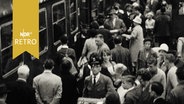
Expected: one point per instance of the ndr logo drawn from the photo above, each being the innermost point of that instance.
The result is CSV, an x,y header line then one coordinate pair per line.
x,y
25,34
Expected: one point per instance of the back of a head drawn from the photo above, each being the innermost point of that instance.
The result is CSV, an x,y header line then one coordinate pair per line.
x,y
145,74
170,57
180,73
65,66
49,64
157,87
112,98
23,70
152,60
92,32
117,40
64,39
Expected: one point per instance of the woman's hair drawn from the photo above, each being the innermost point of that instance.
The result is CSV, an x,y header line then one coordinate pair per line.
x,y
107,51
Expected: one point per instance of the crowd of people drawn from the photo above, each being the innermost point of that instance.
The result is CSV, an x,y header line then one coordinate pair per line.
x,y
114,60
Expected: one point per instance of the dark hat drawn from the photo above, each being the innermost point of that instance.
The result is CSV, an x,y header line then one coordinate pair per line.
x,y
94,59
147,39
113,11
3,89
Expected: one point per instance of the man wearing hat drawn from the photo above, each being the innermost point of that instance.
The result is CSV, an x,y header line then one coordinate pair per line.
x,y
19,91
97,85
136,39
115,23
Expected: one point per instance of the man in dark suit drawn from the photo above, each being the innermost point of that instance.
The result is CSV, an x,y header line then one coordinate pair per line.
x,y
19,91
156,91
121,54
97,85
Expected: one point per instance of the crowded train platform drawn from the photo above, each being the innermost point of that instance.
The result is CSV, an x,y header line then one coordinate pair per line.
x,y
128,53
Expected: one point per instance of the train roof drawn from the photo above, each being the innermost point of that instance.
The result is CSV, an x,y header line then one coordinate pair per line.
x,y
5,7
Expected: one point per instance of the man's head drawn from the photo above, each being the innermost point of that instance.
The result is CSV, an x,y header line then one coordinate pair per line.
x,y
156,89
128,81
95,62
163,49
99,40
48,64
143,75
147,43
169,58
64,39
117,40
180,73
152,65
112,14
23,71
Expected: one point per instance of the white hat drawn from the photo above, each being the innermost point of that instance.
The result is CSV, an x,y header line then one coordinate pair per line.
x,y
164,47
137,20
24,69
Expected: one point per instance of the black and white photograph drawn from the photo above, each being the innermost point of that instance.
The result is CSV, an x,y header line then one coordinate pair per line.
x,y
91,52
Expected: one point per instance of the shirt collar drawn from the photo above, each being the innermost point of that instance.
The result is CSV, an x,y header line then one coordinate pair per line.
x,y
97,76
62,46
22,79
47,71
101,27
157,98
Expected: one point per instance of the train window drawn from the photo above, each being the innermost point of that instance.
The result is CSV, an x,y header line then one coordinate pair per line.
x,y
43,31
6,36
73,16
59,20
94,4
94,8
7,64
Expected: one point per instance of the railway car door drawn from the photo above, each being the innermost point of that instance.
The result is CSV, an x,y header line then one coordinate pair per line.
x,y
8,66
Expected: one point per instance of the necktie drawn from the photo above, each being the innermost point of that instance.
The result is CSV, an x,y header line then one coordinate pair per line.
x,y
94,80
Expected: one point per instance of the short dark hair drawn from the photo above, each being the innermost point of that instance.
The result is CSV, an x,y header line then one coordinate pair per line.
x,y
48,64
170,57
152,60
64,39
65,66
145,74
112,98
157,87
92,32
117,40
180,73
147,39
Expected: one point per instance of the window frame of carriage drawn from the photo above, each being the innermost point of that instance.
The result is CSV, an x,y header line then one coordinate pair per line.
x,y
76,14
59,20
47,42
5,75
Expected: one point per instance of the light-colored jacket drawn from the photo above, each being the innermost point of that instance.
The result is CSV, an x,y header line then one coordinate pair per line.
x,y
48,87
